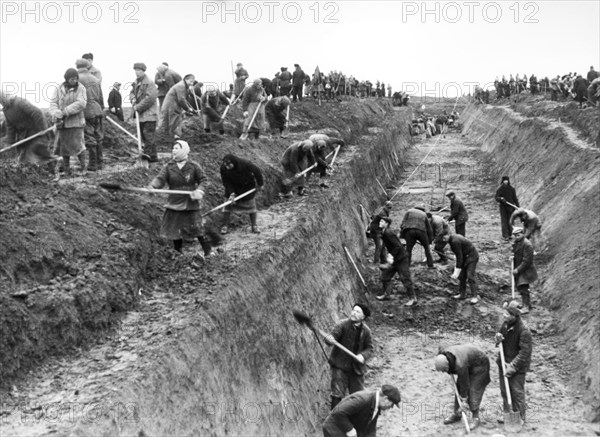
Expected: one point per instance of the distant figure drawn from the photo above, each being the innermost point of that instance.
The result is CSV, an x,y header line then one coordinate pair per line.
x,y
213,101
298,77
506,194
115,101
67,105
165,79
175,105
143,98
285,82
253,97
241,74
94,116
592,74
458,213
275,111
524,270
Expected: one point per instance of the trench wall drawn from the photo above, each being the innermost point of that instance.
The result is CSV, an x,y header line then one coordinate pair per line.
x,y
559,180
245,366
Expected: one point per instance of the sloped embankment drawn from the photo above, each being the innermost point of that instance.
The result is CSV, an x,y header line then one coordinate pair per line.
x,y
557,178
244,351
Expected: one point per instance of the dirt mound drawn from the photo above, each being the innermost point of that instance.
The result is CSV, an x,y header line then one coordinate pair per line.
x,y
76,257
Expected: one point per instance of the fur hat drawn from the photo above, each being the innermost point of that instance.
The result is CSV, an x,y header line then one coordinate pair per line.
x,y
139,66
505,178
365,309
82,63
71,72
88,56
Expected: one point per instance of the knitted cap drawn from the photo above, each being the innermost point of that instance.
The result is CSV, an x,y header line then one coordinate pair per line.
x,y
139,66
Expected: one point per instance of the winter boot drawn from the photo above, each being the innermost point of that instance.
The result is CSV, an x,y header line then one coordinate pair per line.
x,y
387,286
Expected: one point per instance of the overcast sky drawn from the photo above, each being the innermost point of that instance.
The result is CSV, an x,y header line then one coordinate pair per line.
x,y
421,47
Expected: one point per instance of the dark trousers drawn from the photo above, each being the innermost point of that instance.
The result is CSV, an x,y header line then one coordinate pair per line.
x,y
516,384
94,136
505,213
412,236
297,92
467,274
342,380
439,245
479,378
148,129
380,254
400,267
460,229
523,289
284,90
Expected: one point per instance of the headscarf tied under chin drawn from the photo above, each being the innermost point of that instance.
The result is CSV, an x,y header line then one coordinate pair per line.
x,y
231,158
182,154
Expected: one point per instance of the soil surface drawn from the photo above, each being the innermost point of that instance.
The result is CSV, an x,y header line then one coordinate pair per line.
x,y
408,339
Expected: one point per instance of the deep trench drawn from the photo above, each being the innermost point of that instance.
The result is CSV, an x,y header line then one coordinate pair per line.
x,y
246,367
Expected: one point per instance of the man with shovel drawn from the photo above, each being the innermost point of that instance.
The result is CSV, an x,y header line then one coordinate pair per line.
x,y
276,111
357,414
296,158
143,98
517,345
346,372
523,268
472,369
467,258
400,265
213,101
531,224
24,120
252,101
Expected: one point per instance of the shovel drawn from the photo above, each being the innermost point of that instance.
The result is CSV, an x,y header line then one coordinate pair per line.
x,y
512,276
141,162
18,143
304,319
286,131
244,136
119,187
223,205
462,413
289,181
512,419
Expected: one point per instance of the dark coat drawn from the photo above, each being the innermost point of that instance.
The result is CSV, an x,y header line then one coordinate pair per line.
x,y
115,100
458,211
509,194
416,219
580,85
374,225
345,333
439,226
143,96
517,344
188,178
463,249
354,411
393,245
523,252
592,74
165,81
23,119
298,77
471,365
296,154
241,178
94,105
252,95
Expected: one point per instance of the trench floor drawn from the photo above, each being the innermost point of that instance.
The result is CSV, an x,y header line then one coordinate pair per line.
x,y
408,339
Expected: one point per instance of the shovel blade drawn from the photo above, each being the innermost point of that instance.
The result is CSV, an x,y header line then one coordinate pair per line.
x,y
244,136
512,422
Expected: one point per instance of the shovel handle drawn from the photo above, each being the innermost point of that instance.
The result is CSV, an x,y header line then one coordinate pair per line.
x,y
507,387
512,277
462,413
24,140
340,346
224,204
122,128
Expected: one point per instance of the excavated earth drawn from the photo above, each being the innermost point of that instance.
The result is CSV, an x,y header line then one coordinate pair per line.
x,y
105,331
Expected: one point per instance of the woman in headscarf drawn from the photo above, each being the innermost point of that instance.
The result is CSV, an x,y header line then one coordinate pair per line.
x,y
240,176
182,220
66,109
